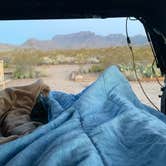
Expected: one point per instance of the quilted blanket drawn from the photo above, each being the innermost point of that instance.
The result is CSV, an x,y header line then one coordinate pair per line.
x,y
105,124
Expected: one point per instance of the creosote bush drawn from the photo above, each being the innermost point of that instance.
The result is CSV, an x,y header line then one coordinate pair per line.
x,y
24,64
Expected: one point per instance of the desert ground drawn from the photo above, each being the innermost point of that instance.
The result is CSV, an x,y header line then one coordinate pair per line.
x,y
57,77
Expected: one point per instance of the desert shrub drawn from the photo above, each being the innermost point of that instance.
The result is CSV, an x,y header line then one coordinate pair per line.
x,y
96,68
22,72
26,57
148,72
25,62
107,56
47,61
143,71
62,59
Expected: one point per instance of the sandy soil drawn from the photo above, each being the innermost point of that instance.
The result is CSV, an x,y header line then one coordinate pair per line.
x,y
58,79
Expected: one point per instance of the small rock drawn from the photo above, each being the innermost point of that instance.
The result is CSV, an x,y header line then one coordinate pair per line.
x,y
76,76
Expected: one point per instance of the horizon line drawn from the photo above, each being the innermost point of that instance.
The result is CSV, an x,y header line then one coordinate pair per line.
x,y
63,34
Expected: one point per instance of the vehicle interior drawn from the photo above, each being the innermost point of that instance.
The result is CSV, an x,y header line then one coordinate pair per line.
x,y
151,15
93,131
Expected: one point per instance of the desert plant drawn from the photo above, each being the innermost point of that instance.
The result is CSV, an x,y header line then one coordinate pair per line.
x,y
22,72
96,68
25,63
143,70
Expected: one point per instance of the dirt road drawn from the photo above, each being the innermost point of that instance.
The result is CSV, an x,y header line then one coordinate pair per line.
x,y
58,79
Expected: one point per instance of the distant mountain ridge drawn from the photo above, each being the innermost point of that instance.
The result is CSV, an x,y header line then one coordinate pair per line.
x,y
4,46
83,39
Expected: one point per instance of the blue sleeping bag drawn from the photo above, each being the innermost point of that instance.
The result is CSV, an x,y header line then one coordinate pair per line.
x,y
105,124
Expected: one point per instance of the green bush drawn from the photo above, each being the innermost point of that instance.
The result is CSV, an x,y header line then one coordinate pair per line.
x,y
25,62
107,56
143,70
22,72
96,68
26,57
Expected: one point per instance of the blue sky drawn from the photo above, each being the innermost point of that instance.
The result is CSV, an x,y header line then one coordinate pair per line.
x,y
17,32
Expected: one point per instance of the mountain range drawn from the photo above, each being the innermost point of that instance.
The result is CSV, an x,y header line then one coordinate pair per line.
x,y
83,39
